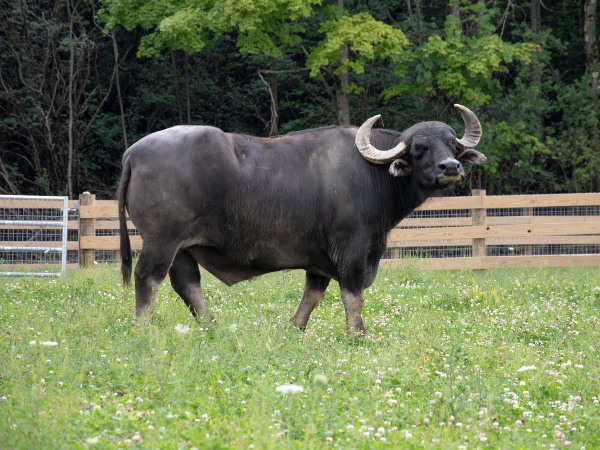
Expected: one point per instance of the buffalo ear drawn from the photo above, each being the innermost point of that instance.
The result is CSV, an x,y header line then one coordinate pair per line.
x,y
471,157
400,168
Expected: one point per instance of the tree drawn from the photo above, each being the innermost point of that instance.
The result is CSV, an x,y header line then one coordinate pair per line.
x,y
72,98
51,70
461,68
261,26
350,42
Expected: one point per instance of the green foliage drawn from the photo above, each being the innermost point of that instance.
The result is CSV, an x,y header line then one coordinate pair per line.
x,y
257,21
461,67
190,26
366,37
514,158
537,134
573,143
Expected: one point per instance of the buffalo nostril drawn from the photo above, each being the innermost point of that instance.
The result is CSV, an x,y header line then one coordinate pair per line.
x,y
449,167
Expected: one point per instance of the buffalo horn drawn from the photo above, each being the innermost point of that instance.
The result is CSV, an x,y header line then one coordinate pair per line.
x,y
369,152
472,127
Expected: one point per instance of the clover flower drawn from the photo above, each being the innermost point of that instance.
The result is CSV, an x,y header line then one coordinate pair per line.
x,y
182,329
320,379
289,389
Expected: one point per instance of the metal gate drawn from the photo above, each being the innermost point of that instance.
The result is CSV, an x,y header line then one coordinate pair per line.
x,y
33,235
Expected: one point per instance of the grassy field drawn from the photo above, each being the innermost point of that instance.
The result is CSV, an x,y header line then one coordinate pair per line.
x,y
503,358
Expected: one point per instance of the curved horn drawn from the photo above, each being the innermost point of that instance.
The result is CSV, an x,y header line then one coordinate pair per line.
x,y
369,152
472,127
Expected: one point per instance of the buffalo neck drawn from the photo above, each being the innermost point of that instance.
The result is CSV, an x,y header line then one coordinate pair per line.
x,y
395,197
399,197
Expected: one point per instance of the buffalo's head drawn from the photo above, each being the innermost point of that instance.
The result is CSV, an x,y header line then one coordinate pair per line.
x,y
431,151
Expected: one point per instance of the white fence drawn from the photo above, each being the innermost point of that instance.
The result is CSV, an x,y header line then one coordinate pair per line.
x,y
33,235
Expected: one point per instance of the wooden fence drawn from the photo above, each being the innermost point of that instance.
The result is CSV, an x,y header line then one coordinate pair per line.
x,y
501,231
477,232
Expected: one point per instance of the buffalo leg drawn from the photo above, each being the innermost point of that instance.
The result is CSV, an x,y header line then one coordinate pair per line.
x,y
353,303
150,271
185,279
314,291
352,282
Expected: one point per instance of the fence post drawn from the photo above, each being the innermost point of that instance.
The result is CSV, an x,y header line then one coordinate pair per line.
x,y
87,227
478,219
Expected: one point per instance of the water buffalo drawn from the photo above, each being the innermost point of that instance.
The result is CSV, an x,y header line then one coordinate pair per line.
x,y
322,200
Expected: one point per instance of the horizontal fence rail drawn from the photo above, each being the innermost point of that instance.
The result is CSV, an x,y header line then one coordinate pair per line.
x,y
477,232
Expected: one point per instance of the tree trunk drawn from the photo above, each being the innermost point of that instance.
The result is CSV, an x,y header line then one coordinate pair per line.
x,y
480,16
590,45
176,84
535,23
187,91
454,10
70,93
119,97
341,102
535,17
10,188
341,86
274,100
341,94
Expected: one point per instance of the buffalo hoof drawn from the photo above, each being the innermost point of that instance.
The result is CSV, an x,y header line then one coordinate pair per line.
x,y
357,333
144,321
207,321
293,323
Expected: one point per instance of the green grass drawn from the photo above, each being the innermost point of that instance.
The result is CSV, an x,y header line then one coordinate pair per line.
x,y
499,358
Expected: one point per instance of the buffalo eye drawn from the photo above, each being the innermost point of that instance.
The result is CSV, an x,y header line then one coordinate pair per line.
x,y
418,150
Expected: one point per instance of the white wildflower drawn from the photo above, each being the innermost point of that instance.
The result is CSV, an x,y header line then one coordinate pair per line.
x,y
320,379
182,329
289,389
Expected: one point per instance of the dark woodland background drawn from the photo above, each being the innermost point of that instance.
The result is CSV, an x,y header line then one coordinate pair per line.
x,y
80,81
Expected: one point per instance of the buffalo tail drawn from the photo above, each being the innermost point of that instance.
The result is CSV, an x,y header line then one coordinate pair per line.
x,y
125,244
